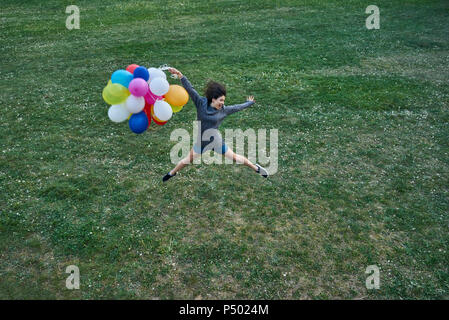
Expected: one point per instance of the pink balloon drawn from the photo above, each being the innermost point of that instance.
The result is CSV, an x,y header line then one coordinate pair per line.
x,y
151,98
138,87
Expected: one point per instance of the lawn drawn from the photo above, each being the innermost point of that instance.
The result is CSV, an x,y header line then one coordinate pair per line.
x,y
363,166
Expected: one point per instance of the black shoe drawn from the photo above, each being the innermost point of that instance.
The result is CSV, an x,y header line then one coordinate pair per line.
x,y
168,176
262,171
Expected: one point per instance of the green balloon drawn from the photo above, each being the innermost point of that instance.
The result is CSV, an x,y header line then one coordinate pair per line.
x,y
115,93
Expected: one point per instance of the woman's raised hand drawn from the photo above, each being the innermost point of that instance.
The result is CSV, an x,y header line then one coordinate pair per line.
x,y
176,72
251,98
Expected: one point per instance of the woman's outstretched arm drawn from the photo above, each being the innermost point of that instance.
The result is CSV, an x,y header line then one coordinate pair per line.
x,y
237,107
196,98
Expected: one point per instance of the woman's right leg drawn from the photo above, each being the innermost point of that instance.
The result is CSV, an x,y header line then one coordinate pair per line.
x,y
187,160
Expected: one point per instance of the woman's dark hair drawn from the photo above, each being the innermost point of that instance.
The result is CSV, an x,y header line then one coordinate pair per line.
x,y
214,90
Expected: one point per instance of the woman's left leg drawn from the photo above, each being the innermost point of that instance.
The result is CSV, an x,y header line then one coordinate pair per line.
x,y
239,158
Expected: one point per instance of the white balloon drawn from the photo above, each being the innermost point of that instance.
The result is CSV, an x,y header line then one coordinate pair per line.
x,y
135,104
162,110
159,86
156,73
118,113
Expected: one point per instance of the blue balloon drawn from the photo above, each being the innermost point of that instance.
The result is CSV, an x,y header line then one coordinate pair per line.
x,y
123,77
142,72
138,122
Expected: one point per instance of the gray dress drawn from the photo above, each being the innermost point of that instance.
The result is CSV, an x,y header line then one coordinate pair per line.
x,y
210,118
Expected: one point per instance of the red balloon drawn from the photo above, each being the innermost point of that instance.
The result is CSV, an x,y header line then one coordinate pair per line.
x,y
147,110
131,68
148,116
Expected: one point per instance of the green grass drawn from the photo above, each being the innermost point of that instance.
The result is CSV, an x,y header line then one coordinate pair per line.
x,y
363,152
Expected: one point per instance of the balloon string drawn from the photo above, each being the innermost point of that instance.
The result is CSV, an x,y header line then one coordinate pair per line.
x,y
166,67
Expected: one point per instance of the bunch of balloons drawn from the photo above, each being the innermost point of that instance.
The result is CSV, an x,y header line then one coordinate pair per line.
x,y
139,94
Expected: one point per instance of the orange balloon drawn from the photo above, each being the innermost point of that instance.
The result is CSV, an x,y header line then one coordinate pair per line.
x,y
176,96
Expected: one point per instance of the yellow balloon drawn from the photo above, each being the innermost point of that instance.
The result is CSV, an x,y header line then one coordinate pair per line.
x,y
115,93
104,94
176,96
176,109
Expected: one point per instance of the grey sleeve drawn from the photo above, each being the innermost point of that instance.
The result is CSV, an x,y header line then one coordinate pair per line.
x,y
196,98
237,107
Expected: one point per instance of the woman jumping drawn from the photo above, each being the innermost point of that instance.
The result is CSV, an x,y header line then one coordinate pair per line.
x,y
210,112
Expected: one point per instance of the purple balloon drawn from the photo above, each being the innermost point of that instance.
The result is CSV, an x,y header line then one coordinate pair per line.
x,y
138,87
